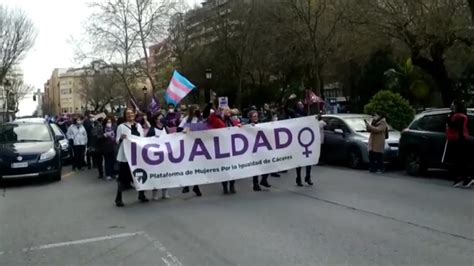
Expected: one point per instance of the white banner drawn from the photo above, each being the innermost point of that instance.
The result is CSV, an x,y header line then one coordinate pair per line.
x,y
218,155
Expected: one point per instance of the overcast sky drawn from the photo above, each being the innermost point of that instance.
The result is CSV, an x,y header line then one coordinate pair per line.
x,y
57,21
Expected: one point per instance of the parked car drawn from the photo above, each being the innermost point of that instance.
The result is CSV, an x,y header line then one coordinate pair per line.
x,y
422,143
29,150
66,149
346,139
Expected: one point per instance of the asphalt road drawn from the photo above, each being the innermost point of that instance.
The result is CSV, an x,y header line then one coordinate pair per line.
x,y
349,218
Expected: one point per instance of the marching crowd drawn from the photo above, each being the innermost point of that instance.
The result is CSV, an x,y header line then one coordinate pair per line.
x,y
96,142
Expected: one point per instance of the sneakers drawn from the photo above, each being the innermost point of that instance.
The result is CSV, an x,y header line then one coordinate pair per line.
x,y
197,191
458,183
298,182
469,184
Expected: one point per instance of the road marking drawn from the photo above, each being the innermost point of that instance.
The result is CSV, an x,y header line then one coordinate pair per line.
x,y
66,175
169,259
80,242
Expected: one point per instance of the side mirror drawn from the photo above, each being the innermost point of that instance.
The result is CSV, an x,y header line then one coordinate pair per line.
x,y
59,137
339,131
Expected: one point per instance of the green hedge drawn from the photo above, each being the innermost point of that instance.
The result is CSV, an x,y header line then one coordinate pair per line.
x,y
398,110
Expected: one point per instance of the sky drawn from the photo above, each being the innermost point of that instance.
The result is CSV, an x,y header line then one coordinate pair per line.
x,y
57,22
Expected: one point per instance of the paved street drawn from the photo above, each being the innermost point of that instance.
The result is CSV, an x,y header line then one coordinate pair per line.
x,y
349,218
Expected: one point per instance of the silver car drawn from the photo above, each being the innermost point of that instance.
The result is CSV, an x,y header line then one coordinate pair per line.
x,y
346,139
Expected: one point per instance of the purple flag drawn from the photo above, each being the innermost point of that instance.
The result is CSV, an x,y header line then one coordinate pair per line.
x,y
154,105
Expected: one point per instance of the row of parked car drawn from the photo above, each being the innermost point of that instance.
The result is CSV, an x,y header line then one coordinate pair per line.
x,y
418,148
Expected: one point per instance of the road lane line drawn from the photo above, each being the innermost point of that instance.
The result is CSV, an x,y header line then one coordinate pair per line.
x,y
66,175
169,259
81,241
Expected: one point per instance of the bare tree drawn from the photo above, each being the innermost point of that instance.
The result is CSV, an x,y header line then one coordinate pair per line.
x,y
151,20
428,28
114,40
17,92
471,8
101,87
17,36
318,23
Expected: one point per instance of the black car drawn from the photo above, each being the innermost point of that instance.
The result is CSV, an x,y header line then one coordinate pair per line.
x,y
66,149
422,144
29,150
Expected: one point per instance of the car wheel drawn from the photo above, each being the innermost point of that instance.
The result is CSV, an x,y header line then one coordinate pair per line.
x,y
414,164
355,158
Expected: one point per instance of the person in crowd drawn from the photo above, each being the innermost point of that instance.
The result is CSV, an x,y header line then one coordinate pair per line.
x,y
322,125
300,111
96,146
254,119
222,119
63,124
458,148
125,130
236,118
378,130
156,130
77,135
109,149
88,122
185,126
172,119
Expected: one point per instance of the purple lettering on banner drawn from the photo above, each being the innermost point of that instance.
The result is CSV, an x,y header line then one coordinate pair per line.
x,y
244,140
261,141
134,153
199,149
278,144
217,148
159,154
170,152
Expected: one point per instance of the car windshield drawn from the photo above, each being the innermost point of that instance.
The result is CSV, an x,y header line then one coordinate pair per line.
x,y
358,125
10,133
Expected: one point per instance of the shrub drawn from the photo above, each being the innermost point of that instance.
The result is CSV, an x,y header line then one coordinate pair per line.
x,y
398,110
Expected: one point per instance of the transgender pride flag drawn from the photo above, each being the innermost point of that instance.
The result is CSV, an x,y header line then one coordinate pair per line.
x,y
178,89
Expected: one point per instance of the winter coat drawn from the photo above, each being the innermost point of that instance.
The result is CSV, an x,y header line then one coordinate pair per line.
x,y
378,133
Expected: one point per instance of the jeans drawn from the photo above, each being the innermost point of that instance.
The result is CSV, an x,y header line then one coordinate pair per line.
x,y
376,162
78,160
109,164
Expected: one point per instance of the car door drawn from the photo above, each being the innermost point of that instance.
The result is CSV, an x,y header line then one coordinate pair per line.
x,y
335,142
60,141
432,138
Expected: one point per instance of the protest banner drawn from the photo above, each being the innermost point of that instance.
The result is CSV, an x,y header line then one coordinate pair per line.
x,y
223,102
218,155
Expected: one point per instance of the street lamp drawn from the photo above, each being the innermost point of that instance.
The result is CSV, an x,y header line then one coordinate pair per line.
x,y
145,92
207,91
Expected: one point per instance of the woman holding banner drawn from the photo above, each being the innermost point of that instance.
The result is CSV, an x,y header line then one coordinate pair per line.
x,y
156,130
125,130
301,112
253,115
186,125
222,119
